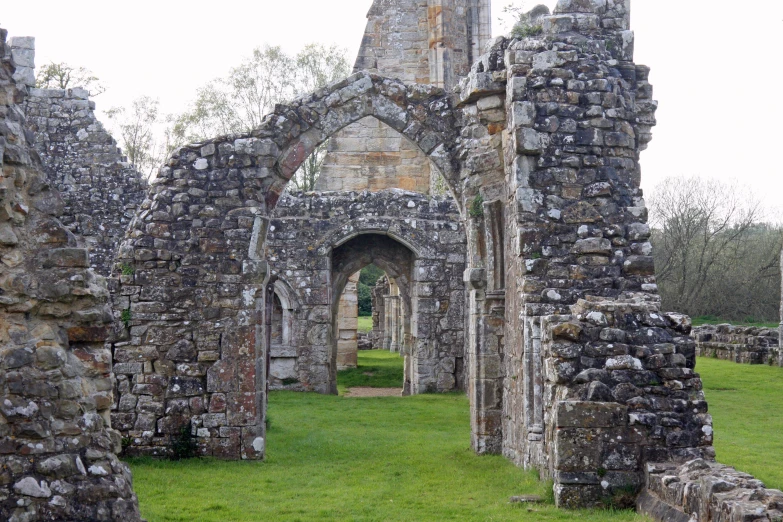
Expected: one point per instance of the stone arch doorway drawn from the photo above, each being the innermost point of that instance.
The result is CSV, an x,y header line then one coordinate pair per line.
x,y
197,248
398,262
307,229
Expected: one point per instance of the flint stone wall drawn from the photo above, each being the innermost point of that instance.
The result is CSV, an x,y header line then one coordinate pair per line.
x,y
578,113
740,344
192,347
57,448
618,390
540,146
100,189
700,491
305,231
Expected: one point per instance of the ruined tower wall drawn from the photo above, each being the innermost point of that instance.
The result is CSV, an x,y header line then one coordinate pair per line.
x,y
101,191
421,41
57,449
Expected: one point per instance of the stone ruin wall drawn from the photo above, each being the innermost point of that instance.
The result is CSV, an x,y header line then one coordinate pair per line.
x,y
424,42
597,360
417,42
100,190
566,342
589,355
703,490
740,344
307,230
56,446
193,349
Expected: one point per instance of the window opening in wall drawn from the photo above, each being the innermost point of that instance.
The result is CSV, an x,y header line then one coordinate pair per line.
x,y
283,369
368,155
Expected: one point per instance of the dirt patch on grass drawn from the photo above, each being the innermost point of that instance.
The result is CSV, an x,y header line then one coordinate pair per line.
x,y
373,392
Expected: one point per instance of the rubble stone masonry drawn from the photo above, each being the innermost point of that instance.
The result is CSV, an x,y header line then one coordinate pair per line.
x,y
57,449
100,190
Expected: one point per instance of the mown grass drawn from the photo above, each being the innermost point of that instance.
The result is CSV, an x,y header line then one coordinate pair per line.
x,y
362,459
335,458
745,403
749,321
375,369
365,324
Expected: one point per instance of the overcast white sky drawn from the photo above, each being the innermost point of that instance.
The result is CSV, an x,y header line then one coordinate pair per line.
x,y
716,66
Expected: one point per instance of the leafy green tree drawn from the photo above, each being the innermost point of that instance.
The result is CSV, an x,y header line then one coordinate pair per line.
x,y
63,76
368,277
239,102
714,255
365,300
136,129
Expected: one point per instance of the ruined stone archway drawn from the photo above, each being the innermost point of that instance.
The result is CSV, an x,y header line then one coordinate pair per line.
x,y
421,113
197,252
398,262
306,228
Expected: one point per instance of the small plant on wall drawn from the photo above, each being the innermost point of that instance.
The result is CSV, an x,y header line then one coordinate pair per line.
x,y
477,207
183,443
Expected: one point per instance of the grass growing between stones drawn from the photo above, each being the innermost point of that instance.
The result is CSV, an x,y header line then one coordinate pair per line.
x,y
745,403
375,369
362,459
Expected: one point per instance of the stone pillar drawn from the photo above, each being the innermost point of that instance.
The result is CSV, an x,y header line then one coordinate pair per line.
x,y
347,325
393,310
485,334
23,54
379,313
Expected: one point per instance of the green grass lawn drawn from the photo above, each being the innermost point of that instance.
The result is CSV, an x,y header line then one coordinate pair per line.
x,y
746,403
365,324
376,369
362,459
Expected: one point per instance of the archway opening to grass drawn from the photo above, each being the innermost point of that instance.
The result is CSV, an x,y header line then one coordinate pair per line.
x,y
370,335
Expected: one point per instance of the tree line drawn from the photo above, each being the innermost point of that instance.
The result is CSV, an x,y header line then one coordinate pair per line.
x,y
716,256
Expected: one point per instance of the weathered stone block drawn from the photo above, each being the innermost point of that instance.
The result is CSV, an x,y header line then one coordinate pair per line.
x,y
590,415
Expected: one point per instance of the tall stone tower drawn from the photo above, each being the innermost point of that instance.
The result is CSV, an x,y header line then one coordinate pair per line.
x,y
418,41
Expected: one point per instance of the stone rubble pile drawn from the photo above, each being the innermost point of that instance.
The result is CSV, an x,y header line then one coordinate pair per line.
x,y
705,491
741,344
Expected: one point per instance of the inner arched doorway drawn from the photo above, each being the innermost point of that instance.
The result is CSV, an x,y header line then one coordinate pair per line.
x,y
398,262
